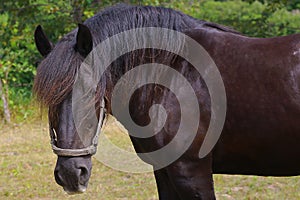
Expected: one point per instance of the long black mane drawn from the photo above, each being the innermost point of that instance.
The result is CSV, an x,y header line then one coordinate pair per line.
x,y
57,72
122,17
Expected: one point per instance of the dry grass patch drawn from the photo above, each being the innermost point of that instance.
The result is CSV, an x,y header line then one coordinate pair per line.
x,y
27,163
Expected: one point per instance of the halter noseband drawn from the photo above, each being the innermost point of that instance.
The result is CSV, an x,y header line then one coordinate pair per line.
x,y
90,150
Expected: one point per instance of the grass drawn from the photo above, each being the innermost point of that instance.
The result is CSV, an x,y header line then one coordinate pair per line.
x,y
27,163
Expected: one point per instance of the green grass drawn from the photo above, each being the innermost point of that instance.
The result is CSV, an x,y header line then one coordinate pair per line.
x,y
27,163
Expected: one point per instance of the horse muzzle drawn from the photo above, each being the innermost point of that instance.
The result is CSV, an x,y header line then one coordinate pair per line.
x,y
73,173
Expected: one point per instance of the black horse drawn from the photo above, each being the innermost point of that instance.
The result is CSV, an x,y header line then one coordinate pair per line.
x,y
261,133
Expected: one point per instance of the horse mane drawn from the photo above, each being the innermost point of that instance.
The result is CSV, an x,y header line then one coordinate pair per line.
x,y
57,72
122,17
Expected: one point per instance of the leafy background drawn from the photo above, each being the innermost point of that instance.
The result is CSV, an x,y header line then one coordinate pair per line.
x,y
18,19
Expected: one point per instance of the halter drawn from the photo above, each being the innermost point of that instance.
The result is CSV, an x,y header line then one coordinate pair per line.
x,y
90,150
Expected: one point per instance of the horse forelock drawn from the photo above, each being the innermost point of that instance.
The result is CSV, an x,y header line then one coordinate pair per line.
x,y
56,73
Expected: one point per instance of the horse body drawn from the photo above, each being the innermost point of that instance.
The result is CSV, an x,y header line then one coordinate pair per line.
x,y
262,83
261,131
262,79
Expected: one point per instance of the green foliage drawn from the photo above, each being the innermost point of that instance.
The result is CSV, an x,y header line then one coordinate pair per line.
x,y
18,19
18,54
293,5
250,17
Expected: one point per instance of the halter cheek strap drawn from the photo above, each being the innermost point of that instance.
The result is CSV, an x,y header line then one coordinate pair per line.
x,y
90,150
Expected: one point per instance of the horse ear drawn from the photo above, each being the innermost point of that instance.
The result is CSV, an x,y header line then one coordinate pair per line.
x,y
84,40
41,41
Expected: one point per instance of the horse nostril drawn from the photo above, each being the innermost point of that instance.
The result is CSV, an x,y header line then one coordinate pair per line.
x,y
84,174
58,177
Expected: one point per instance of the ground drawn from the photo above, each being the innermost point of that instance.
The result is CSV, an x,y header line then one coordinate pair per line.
x,y
27,163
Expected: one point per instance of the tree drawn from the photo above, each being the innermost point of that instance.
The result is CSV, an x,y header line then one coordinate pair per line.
x,y
4,95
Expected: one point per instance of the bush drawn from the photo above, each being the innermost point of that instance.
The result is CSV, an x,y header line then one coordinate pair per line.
x,y
253,18
18,19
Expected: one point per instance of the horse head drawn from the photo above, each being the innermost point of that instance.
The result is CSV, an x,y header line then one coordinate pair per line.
x,y
73,166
